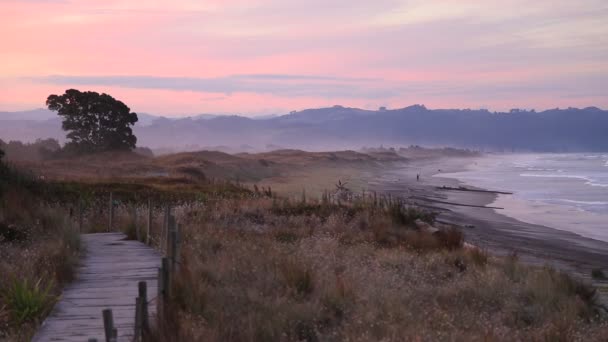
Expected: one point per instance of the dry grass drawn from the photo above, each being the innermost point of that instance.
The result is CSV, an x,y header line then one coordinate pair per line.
x,y
38,253
262,270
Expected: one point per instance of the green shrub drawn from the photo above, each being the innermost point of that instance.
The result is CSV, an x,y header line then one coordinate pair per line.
x,y
27,301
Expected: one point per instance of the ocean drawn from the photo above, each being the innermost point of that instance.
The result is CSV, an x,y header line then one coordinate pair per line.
x,y
562,191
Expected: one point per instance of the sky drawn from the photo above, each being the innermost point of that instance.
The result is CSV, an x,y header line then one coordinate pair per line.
x,y
252,58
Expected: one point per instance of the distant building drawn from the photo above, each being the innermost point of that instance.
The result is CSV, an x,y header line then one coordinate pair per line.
x,y
382,109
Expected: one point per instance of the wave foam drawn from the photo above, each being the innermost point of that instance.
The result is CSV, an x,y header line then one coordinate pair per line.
x,y
583,202
588,181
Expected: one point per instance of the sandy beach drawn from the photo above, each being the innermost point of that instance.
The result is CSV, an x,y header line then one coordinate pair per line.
x,y
488,228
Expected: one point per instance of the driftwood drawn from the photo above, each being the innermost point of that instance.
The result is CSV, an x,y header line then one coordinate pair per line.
x,y
461,188
453,203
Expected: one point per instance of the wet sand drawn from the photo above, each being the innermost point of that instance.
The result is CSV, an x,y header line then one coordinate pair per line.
x,y
487,228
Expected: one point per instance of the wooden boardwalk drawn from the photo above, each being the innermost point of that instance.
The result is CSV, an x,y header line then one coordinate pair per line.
x,y
107,278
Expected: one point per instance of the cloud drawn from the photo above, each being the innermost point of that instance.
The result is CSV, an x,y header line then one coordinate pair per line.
x,y
275,84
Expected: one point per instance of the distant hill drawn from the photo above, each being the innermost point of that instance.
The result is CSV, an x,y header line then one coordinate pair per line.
x,y
556,130
39,114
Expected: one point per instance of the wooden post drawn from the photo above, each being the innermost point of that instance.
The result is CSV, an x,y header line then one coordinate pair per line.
x,y
176,247
170,229
138,319
173,250
80,215
165,231
149,221
166,278
134,214
111,213
159,295
108,324
142,287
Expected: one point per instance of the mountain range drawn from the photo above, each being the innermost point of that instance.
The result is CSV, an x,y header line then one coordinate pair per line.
x,y
337,127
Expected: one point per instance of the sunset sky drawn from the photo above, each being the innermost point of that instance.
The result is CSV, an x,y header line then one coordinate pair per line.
x,y
184,57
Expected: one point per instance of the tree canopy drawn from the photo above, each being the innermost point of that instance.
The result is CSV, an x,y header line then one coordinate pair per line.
x,y
95,122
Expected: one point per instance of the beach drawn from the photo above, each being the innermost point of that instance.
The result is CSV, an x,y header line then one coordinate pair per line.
x,y
488,228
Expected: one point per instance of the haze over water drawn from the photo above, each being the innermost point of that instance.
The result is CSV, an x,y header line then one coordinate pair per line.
x,y
562,191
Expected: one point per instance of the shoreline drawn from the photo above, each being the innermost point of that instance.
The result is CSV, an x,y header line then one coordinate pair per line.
x,y
488,228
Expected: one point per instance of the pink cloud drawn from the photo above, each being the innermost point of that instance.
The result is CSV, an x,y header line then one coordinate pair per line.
x,y
442,60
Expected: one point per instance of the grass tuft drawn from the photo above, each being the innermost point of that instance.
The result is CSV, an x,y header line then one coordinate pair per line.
x,y
27,301
298,277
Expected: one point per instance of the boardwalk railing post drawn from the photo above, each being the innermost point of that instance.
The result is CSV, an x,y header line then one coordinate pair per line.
x,y
175,249
137,232
138,319
149,221
165,231
111,214
166,278
142,287
80,215
170,230
164,287
159,295
108,325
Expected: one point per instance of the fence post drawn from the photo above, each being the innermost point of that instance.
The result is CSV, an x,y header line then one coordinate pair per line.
x,y
138,319
134,213
142,287
170,229
166,278
175,249
108,325
149,221
80,215
164,234
159,295
111,212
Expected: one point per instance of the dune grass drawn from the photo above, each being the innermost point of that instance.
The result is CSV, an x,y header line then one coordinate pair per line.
x,y
268,270
38,253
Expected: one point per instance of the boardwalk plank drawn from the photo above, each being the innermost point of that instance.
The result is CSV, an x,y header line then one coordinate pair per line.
x,y
107,278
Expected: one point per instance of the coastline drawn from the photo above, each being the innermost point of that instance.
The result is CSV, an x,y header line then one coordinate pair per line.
x,y
488,228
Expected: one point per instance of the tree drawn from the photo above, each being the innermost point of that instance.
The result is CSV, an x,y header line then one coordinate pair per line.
x,y
95,122
2,143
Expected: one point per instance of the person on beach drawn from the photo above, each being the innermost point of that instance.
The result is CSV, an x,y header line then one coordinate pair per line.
x,y
417,177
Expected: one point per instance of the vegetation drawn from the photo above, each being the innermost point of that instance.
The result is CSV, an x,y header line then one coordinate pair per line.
x,y
597,273
27,301
41,149
95,122
258,267
263,269
38,252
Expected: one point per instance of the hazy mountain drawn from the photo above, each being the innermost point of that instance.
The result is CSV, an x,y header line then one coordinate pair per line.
x,y
569,129
39,114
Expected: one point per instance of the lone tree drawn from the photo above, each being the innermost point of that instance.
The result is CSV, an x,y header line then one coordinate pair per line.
x,y
95,122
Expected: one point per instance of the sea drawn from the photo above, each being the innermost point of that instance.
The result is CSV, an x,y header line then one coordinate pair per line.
x,y
561,191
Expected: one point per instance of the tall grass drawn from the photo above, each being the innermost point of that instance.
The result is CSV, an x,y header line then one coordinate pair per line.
x,y
265,270
38,252
28,300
